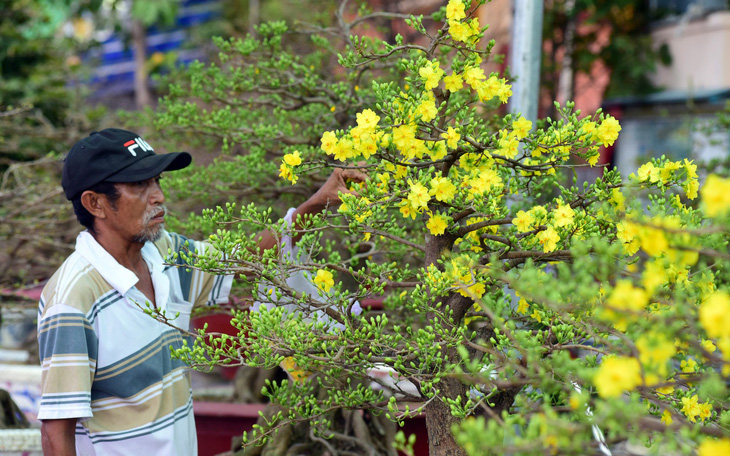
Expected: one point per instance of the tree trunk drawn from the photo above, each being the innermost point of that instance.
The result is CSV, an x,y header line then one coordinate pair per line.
x,y
439,421
142,94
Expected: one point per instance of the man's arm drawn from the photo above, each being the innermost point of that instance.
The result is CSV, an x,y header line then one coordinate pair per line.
x,y
58,437
326,196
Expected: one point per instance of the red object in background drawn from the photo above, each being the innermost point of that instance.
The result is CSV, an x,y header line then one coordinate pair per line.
x,y
218,423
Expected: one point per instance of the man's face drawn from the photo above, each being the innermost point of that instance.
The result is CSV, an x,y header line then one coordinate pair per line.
x,y
140,210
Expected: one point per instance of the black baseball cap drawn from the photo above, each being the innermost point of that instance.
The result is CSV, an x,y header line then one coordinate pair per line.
x,y
114,155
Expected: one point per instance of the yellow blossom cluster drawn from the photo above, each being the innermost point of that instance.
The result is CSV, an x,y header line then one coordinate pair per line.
x,y
288,164
693,409
670,171
364,140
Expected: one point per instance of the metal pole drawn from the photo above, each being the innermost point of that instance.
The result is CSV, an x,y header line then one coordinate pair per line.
x,y
525,57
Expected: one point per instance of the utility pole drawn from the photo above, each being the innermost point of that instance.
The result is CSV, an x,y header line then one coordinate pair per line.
x,y
525,57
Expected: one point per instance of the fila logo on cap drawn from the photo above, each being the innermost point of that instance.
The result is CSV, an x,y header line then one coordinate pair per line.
x,y
135,143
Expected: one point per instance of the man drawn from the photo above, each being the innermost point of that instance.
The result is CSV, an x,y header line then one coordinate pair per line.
x,y
109,385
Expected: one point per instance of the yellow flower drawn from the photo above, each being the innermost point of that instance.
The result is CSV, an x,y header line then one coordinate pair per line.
x,y
536,316
442,189
627,233
564,215
427,109
407,210
287,173
667,417
688,365
649,173
665,389
418,195
324,280
691,407
344,149
452,137
716,195
453,82
627,297
608,131
548,238
709,346
705,411
508,146
653,241
293,159
655,350
711,447
473,75
329,142
431,73
455,10
505,91
437,224
618,200
715,315
521,127
523,221
654,276
368,119
616,375
459,31
523,306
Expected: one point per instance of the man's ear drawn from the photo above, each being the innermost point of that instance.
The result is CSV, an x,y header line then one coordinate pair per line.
x,y
97,204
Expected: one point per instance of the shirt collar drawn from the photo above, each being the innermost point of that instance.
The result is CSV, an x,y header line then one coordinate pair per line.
x,y
119,277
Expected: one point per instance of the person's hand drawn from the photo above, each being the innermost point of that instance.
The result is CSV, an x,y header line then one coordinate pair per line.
x,y
328,194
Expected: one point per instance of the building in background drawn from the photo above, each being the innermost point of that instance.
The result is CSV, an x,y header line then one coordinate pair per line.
x,y
680,121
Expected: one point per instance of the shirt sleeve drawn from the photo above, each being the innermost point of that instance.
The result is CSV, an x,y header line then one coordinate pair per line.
x,y
68,348
199,287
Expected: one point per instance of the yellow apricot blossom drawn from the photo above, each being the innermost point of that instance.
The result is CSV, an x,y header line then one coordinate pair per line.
x,y
329,141
564,215
473,75
549,239
523,221
521,127
442,189
715,315
607,131
324,280
455,10
452,137
431,73
453,82
716,196
616,375
459,31
437,224
649,173
293,159
418,195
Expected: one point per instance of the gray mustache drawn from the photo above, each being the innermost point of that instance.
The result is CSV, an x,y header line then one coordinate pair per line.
x,y
162,209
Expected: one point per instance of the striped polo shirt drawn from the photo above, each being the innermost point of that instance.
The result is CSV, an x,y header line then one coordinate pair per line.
x,y
108,363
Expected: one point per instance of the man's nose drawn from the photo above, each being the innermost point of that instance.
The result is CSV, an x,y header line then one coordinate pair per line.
x,y
157,196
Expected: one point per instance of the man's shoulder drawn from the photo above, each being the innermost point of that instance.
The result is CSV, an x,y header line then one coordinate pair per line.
x,y
76,284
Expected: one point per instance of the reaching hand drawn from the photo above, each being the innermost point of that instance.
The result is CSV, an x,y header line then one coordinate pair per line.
x,y
327,195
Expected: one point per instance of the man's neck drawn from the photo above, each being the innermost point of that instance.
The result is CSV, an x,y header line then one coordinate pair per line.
x,y
127,253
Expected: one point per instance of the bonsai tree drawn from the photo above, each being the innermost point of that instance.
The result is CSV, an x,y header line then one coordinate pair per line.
x,y
525,312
